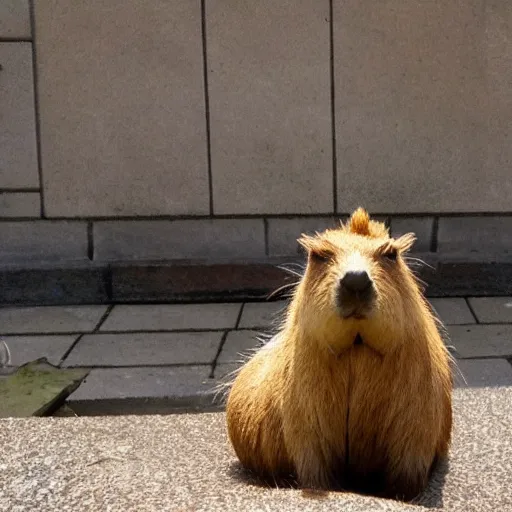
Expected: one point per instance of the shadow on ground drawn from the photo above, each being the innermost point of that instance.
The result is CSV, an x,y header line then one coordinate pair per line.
x,y
432,497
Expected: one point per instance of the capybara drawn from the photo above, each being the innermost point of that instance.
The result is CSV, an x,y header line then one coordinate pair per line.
x,y
355,389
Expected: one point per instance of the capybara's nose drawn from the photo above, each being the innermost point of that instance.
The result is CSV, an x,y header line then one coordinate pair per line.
x,y
356,281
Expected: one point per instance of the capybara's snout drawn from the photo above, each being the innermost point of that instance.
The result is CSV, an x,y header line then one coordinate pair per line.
x,y
356,282
355,294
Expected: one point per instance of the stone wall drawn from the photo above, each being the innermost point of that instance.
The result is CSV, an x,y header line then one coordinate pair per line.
x,y
214,129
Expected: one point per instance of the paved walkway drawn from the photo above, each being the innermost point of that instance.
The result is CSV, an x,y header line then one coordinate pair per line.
x,y
184,463
178,353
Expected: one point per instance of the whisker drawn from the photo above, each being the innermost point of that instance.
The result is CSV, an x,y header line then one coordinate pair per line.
x,y
5,354
456,368
281,289
420,281
295,264
290,271
418,261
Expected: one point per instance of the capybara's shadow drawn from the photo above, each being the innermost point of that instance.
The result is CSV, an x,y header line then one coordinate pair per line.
x,y
246,476
432,497
238,472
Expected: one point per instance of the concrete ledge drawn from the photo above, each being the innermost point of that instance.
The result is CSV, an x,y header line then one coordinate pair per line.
x,y
185,462
46,285
145,406
170,282
90,283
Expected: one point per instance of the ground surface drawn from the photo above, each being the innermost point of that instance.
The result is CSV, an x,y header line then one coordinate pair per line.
x,y
185,463
153,358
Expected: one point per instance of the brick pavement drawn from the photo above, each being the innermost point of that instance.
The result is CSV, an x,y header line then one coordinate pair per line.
x,y
178,353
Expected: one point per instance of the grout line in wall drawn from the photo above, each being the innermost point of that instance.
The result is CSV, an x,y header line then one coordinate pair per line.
x,y
20,190
130,218
207,105
90,241
36,105
15,40
333,109
265,227
433,240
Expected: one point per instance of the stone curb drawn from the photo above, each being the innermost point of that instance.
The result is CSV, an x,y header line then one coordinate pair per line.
x,y
470,373
198,403
223,282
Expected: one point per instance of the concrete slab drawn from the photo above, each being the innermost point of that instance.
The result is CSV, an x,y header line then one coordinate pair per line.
x,y
168,317
238,345
262,314
146,348
21,205
283,232
18,149
271,153
476,235
223,371
133,140
50,319
422,227
114,390
498,52
453,311
484,373
481,340
28,242
28,348
199,239
492,309
402,125
15,19
185,463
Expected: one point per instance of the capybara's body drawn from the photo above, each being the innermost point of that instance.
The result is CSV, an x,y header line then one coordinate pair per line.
x,y
355,389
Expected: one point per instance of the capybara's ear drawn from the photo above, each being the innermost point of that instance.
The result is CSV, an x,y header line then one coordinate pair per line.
x,y
405,242
315,245
306,241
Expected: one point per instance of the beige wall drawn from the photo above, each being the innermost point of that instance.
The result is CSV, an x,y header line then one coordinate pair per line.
x,y
403,106
422,106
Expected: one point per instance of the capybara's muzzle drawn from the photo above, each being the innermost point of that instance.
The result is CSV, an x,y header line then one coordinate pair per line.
x,y
355,294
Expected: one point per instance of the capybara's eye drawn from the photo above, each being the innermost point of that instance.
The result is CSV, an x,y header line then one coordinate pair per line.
x,y
391,255
321,257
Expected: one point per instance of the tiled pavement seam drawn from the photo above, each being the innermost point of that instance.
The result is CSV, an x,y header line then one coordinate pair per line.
x,y
46,331
225,335
459,318
96,328
223,341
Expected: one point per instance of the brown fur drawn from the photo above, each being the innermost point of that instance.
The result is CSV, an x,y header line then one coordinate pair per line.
x,y
374,416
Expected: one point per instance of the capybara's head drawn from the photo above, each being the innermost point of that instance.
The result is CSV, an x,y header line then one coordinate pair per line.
x,y
357,288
